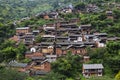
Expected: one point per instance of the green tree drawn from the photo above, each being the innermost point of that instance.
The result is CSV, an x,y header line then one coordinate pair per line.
x,y
7,43
102,16
80,6
9,50
116,14
9,53
38,39
8,74
68,66
53,76
113,48
21,49
117,77
29,78
112,56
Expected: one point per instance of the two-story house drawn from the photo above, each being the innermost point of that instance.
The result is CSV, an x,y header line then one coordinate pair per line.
x,y
89,70
22,30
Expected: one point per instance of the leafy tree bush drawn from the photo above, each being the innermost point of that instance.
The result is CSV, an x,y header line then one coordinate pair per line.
x,y
80,6
68,66
9,51
10,74
117,77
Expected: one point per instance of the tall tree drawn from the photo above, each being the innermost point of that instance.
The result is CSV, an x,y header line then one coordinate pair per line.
x,y
68,66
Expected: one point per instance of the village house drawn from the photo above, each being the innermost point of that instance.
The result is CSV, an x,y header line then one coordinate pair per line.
x,y
49,25
89,70
49,29
75,37
73,31
101,36
77,49
92,8
46,16
30,55
86,29
70,25
53,15
117,6
35,32
63,22
48,38
113,39
22,30
62,38
61,32
66,10
63,47
86,59
18,66
40,65
109,14
89,37
29,38
51,58
39,72
46,48
50,15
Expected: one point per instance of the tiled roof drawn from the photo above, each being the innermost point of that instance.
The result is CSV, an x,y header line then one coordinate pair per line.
x,y
23,28
97,34
40,72
36,31
37,58
88,25
93,66
48,36
51,55
16,64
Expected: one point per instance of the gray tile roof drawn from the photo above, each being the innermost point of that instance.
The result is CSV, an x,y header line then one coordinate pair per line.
x,y
87,25
23,28
36,31
40,72
16,64
38,58
93,66
51,55
98,34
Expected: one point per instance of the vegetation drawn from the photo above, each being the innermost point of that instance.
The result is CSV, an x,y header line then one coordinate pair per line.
x,y
80,6
108,56
67,67
6,31
100,78
16,9
10,52
10,74
117,77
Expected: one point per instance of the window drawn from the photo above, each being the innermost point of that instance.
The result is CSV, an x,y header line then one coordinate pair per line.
x,y
86,70
99,74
